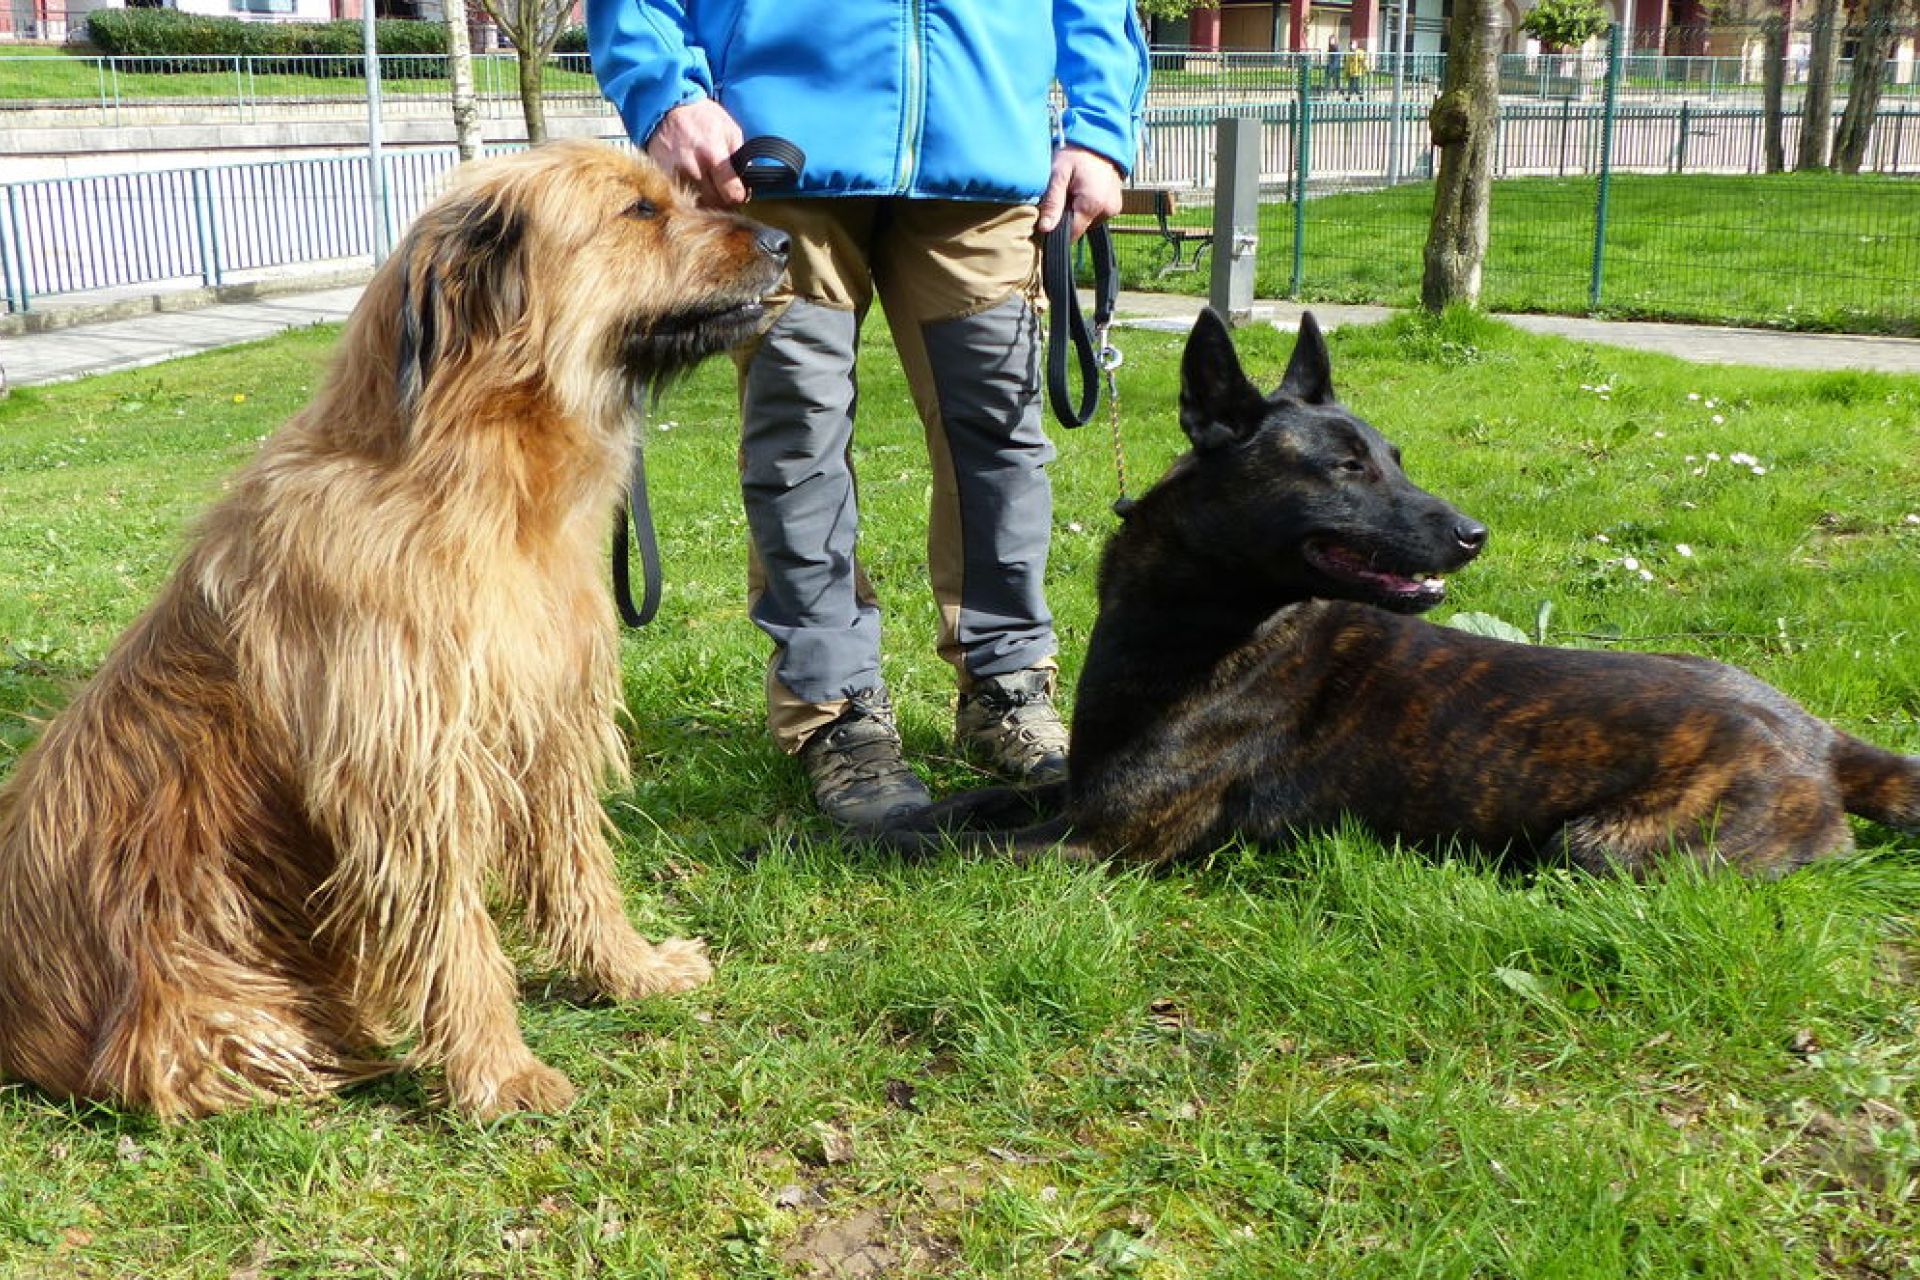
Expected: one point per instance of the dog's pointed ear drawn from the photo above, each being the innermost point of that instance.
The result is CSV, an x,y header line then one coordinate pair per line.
x,y
463,284
1309,377
1218,404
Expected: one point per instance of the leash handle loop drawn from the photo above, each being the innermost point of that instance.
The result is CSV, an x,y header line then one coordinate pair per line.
x,y
1067,327
766,163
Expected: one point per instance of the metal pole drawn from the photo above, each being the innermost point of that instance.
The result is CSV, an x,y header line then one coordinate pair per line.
x,y
1606,168
1399,92
1236,215
376,169
202,216
19,297
1303,165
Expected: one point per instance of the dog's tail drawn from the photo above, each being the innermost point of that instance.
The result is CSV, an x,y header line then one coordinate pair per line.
x,y
1878,784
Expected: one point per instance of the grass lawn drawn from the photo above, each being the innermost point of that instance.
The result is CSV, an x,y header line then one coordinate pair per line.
x,y
1342,1059
1795,251
55,75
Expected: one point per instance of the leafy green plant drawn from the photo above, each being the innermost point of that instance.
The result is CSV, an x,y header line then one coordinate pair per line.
x,y
162,39
1565,24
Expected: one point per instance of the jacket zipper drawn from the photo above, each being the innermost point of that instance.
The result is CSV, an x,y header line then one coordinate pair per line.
x,y
915,95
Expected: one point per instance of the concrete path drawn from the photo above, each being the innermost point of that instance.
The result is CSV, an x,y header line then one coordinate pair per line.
x,y
80,350
1703,344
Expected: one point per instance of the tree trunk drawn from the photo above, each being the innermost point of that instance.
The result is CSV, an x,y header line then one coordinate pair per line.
x,y
532,106
466,109
1816,120
1462,124
1777,32
1863,95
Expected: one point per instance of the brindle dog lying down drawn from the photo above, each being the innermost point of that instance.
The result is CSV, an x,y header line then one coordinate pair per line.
x,y
1255,671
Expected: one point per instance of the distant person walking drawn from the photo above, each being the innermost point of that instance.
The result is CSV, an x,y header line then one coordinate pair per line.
x,y
1358,65
1334,63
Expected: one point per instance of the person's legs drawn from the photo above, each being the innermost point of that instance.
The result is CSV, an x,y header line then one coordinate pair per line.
x,y
825,700
957,280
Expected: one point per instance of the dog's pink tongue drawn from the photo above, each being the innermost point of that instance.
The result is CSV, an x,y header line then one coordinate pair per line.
x,y
1349,561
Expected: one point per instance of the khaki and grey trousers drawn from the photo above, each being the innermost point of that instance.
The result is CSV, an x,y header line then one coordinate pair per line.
x,y
957,281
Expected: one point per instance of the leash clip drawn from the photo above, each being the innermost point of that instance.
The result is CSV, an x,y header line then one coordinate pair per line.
x,y
1110,355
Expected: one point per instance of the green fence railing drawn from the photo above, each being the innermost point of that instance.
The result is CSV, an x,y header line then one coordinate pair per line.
x,y
1611,206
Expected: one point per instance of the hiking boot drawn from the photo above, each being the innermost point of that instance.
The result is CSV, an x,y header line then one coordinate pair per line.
x,y
860,778
1009,722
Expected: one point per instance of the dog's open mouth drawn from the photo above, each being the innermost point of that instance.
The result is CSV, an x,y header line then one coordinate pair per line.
x,y
1412,593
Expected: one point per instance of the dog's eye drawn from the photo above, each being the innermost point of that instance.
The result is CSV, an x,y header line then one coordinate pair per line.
x,y
643,208
1352,466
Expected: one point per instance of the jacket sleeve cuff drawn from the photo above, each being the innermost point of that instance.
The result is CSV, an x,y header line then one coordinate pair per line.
x,y
644,64
642,131
1083,129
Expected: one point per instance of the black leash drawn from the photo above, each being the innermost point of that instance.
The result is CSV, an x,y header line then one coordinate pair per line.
x,y
1067,328
639,514
764,164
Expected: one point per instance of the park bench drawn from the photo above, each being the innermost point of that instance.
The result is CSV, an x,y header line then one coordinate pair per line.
x,y
1160,204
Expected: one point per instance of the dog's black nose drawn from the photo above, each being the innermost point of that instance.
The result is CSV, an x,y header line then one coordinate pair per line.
x,y
1470,534
773,242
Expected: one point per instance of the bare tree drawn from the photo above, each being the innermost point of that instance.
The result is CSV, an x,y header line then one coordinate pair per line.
x,y
466,110
533,26
1776,31
1816,119
1863,95
1462,124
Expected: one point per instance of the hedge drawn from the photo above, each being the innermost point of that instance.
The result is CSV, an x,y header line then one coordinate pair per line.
x,y
158,36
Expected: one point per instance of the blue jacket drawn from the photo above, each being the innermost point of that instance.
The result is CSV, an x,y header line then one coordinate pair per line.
x,y
946,98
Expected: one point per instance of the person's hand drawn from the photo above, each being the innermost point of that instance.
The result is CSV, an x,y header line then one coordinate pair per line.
x,y
1085,183
693,144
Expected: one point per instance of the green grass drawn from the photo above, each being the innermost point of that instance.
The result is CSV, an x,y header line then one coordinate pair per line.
x,y
1794,251
53,76
1339,1060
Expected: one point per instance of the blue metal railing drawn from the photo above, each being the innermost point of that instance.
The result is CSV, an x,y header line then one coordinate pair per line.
x,y
78,235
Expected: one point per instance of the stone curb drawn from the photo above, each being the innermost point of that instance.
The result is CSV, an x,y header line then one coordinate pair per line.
x,y
74,315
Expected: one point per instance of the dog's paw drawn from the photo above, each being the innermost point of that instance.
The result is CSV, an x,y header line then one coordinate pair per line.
x,y
534,1087
674,964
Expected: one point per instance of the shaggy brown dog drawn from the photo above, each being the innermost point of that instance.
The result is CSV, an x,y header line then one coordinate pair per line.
x,y
256,848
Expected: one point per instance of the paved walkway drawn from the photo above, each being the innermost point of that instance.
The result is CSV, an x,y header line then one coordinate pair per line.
x,y
104,346
107,345
1703,344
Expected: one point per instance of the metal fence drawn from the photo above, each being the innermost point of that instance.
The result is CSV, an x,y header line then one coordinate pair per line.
x,y
1372,144
204,226
1232,77
114,92
1694,228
